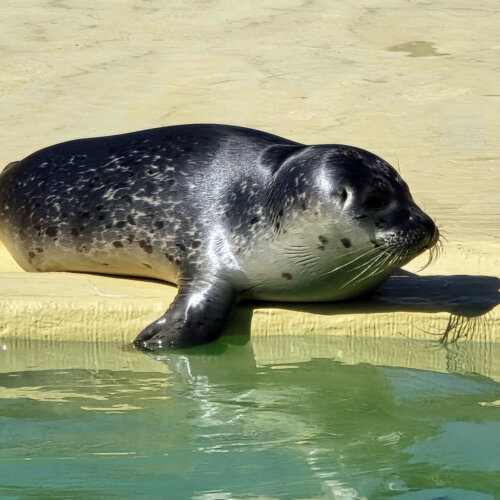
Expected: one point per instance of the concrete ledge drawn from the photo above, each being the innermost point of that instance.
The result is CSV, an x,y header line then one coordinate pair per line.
x,y
82,307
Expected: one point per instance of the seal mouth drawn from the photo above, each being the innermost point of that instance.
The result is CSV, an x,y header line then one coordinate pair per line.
x,y
403,246
434,239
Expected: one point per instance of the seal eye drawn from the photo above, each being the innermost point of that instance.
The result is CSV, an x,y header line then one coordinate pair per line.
x,y
376,202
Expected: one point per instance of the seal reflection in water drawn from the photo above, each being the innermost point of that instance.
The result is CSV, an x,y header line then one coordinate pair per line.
x,y
227,213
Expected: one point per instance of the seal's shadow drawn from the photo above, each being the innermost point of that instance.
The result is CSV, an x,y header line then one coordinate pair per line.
x,y
467,299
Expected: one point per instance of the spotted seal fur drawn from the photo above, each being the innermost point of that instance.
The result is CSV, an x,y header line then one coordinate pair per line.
x,y
225,212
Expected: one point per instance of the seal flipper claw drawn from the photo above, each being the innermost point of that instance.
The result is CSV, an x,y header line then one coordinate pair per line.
x,y
196,316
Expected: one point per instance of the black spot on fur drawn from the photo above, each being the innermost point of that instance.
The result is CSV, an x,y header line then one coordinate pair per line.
x,y
39,250
195,244
146,265
101,217
147,248
108,226
130,220
117,244
254,220
158,224
303,206
178,262
321,247
31,255
287,276
121,224
74,232
169,257
346,242
130,238
375,244
51,231
323,239
181,247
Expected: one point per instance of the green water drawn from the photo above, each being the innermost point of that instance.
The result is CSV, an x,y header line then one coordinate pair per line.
x,y
221,426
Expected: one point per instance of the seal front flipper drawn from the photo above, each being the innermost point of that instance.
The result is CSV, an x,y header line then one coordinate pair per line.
x,y
196,316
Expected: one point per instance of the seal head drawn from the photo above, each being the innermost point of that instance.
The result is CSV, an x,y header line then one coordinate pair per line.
x,y
341,220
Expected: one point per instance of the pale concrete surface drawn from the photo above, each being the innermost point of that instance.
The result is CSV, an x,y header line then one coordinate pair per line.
x,y
418,84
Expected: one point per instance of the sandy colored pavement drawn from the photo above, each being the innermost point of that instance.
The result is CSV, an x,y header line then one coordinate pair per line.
x,y
416,83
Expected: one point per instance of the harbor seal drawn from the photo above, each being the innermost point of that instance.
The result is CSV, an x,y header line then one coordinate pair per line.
x,y
226,213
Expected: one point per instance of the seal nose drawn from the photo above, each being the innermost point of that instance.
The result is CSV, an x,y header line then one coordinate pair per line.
x,y
426,226
434,233
430,228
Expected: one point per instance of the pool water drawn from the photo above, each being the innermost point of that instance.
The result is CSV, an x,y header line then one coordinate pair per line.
x,y
216,423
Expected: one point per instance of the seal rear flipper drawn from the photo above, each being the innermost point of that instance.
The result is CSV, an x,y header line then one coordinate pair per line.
x,y
196,316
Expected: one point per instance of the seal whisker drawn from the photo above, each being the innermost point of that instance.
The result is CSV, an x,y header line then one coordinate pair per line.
x,y
429,260
381,250
375,261
358,277
347,264
397,257
392,259
361,249
380,265
434,253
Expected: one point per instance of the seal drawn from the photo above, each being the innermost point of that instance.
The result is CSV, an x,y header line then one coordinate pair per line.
x,y
226,213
